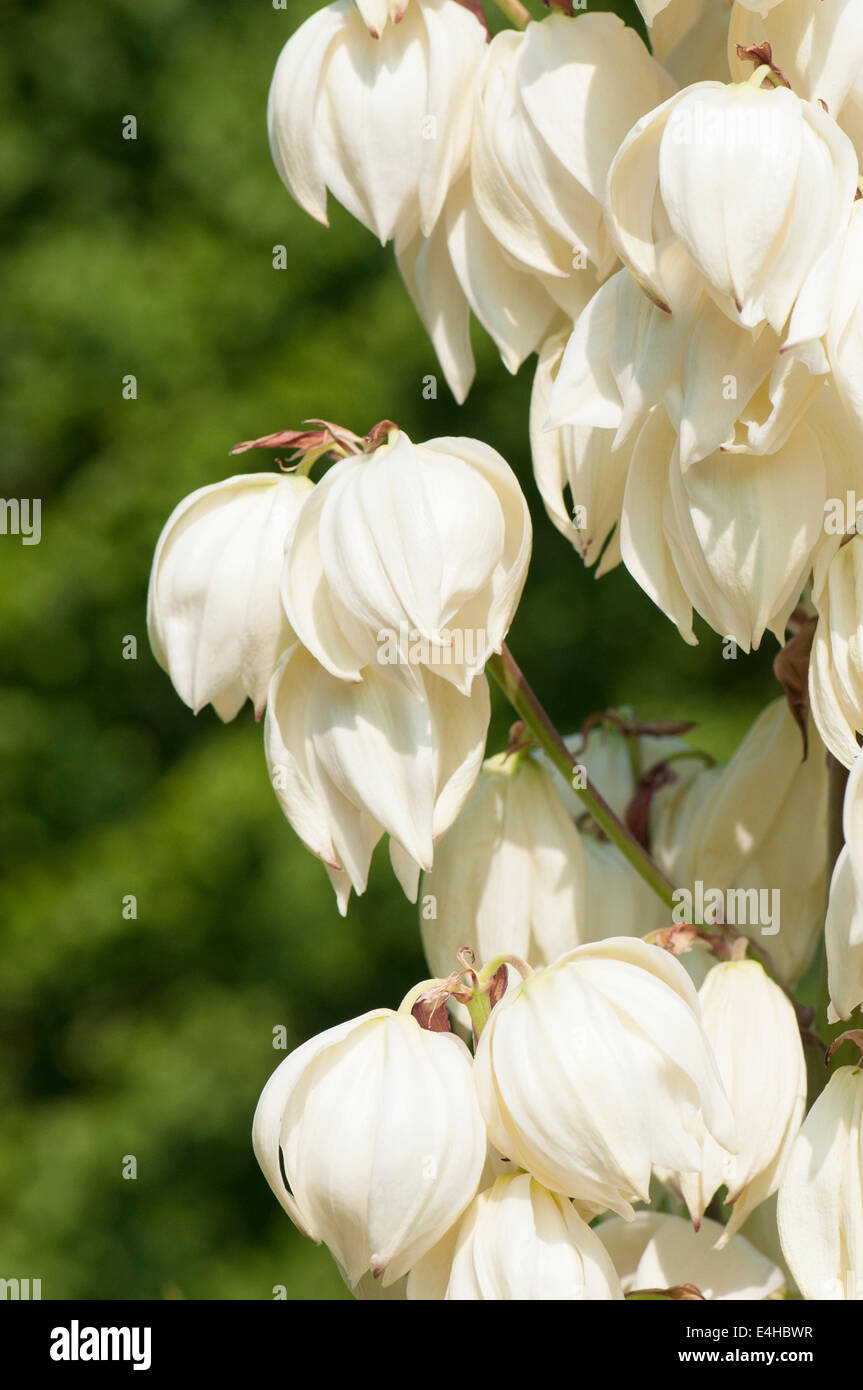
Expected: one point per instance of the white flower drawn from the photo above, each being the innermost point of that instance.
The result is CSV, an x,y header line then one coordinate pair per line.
x,y
413,555
381,1141
730,536
619,902
821,1197
757,829
755,1036
690,37
554,105
214,615
658,1251
582,460
350,761
843,929
836,666
383,123
723,386
782,164
819,49
510,875
596,1068
845,333
460,268
518,1241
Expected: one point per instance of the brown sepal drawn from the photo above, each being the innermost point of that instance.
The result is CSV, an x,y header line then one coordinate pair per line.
x,y
431,1012
497,987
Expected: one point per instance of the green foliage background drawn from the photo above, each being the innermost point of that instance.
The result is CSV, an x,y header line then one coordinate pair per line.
x,y
153,1037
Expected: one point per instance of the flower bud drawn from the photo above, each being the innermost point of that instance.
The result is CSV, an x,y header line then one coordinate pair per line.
x,y
755,1037
595,1068
821,1196
510,875
783,164
518,1241
843,930
415,555
658,1251
375,1126
383,122
214,615
350,761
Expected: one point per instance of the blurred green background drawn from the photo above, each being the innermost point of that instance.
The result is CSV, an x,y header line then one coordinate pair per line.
x,y
153,1037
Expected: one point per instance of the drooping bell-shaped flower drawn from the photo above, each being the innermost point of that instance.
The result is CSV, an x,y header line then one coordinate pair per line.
x,y
214,614
821,1197
722,385
509,878
518,1241
371,1138
755,1036
836,665
554,104
580,460
817,48
596,1068
756,839
461,269
660,1251
411,557
843,929
352,760
730,536
382,122
787,170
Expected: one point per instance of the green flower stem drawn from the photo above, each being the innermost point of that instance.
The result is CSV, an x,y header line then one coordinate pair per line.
x,y
515,12
479,1008
512,682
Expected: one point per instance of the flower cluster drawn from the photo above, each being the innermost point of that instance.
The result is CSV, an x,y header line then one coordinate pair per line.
x,y
443,1176
677,232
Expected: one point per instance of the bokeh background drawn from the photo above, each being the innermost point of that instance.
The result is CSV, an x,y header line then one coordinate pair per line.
x,y
153,1037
